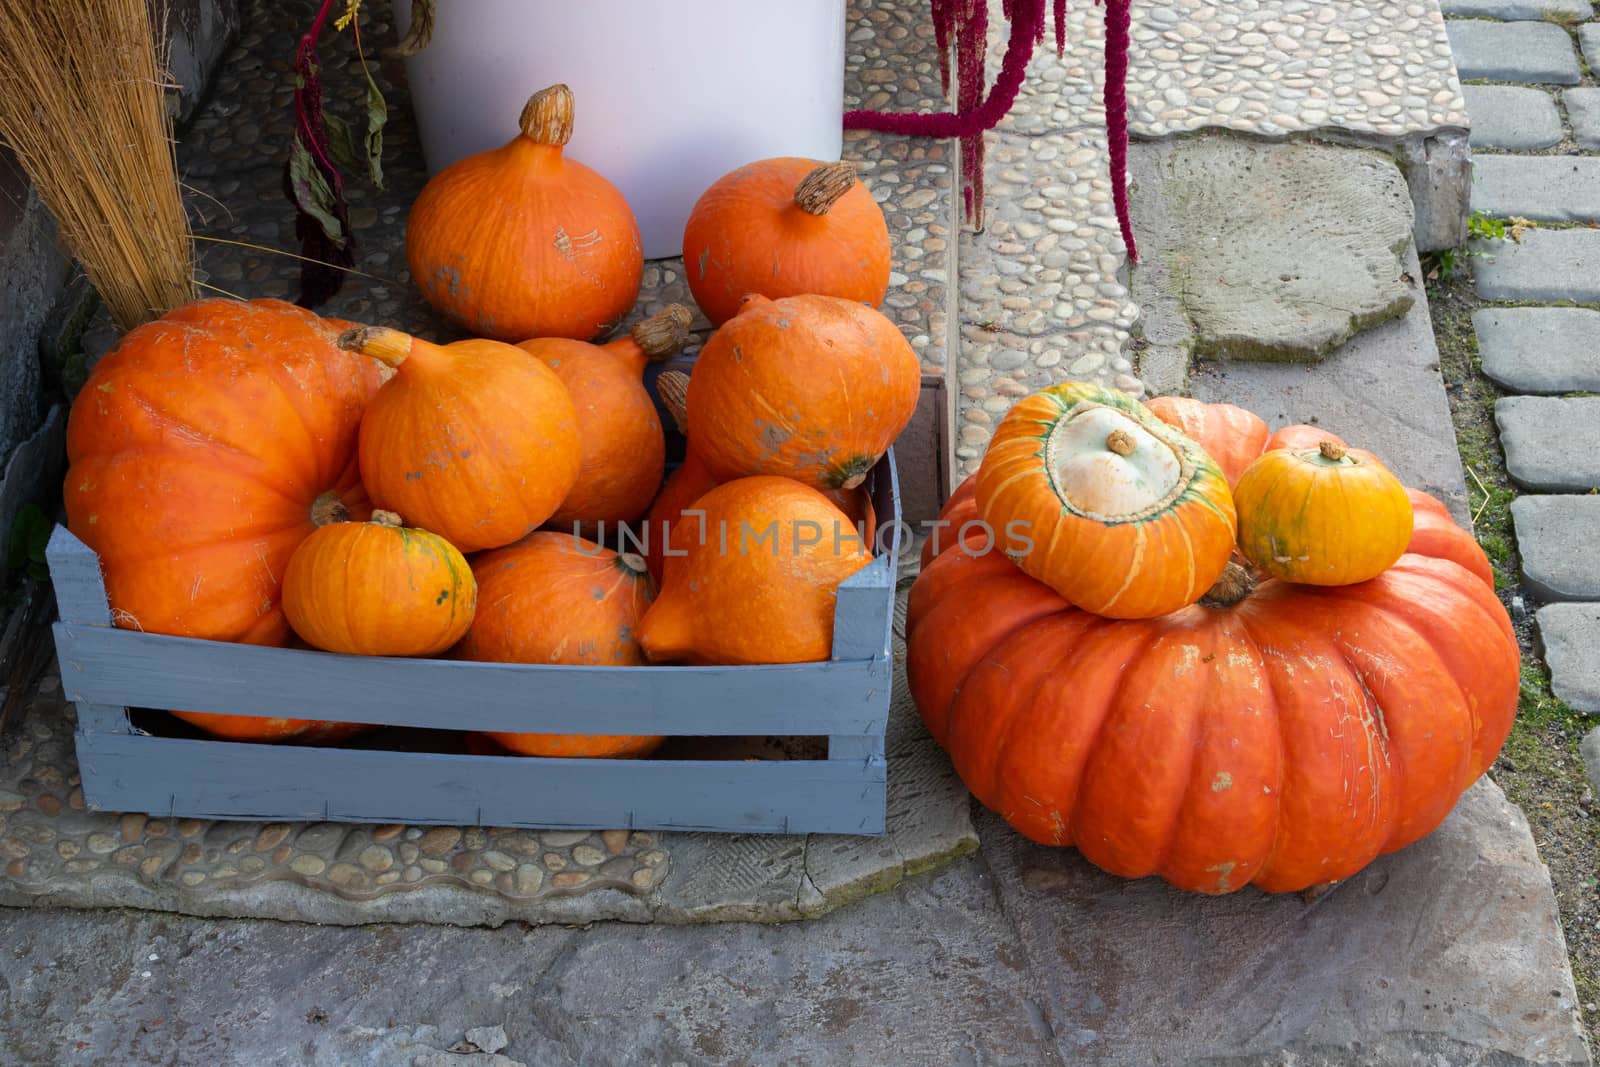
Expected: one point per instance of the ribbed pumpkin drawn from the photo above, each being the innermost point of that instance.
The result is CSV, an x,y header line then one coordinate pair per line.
x,y
813,388
1321,516
784,227
376,588
198,450
1230,435
1281,737
753,590
555,598
521,242
1113,508
476,441
623,449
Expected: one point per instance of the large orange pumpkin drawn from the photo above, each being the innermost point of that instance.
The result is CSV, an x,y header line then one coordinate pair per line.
x,y
556,598
1113,508
198,449
813,388
784,227
476,441
623,449
378,589
1229,434
759,577
1280,736
521,242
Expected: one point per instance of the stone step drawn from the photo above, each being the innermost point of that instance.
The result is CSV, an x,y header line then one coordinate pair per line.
x,y
1538,52
1519,9
1547,265
1583,111
1552,444
1556,535
1540,350
1570,634
1511,117
1542,188
1589,38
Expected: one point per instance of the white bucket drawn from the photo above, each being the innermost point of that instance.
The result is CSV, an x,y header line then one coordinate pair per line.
x,y
670,96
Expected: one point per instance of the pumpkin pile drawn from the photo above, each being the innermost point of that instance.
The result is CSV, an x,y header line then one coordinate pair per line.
x,y
1127,683
249,472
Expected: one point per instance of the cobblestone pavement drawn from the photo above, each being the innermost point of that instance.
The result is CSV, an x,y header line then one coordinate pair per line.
x,y
1536,128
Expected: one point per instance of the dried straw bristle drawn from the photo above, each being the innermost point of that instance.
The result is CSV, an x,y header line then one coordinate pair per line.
x,y
82,105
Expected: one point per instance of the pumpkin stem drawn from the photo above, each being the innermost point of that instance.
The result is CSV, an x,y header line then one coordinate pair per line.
x,y
386,518
1236,582
663,333
853,473
547,116
673,388
1121,442
390,347
822,188
632,564
328,509
1331,450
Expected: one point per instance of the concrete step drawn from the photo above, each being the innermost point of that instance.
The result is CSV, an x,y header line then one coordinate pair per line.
x,y
1547,265
1556,538
1570,634
1540,350
1542,188
1552,444
1535,52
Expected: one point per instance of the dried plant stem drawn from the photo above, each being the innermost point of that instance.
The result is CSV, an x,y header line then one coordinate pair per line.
x,y
82,105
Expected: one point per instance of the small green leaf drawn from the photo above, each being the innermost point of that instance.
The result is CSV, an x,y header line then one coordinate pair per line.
x,y
342,143
313,195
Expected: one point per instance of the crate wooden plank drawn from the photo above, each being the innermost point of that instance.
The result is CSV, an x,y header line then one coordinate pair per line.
x,y
110,666
209,779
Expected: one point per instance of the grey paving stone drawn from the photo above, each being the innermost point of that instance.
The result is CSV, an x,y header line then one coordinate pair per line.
x,y
1538,52
1548,265
1556,538
1540,350
1583,111
1543,188
1519,9
1590,748
1570,634
1552,444
1589,37
1511,117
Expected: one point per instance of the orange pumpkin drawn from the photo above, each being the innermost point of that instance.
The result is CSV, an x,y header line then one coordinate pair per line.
x,y
784,227
623,449
476,441
1280,737
813,388
378,589
1113,508
521,242
761,584
556,598
1321,516
198,449
1230,435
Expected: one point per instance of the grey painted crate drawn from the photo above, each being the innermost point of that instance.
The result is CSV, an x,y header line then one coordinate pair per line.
x,y
106,670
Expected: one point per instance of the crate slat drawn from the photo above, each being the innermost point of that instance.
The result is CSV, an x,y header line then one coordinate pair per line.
x,y
203,779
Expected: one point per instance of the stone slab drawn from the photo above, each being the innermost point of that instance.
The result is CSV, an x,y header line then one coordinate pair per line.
x,y
1545,266
1583,112
1511,10
1535,52
1552,444
1570,634
1589,748
1512,118
1242,216
1540,350
1388,967
1589,39
1556,537
1542,188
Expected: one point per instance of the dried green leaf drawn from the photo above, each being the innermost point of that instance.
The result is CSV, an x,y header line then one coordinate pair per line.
x,y
342,143
420,32
377,118
313,195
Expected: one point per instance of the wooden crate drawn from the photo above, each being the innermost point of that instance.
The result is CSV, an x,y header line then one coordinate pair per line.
x,y
106,670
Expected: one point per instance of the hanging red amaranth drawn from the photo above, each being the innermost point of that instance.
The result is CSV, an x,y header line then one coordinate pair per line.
x,y
312,181
966,23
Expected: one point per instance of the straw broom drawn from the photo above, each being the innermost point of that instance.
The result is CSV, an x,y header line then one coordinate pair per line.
x,y
82,106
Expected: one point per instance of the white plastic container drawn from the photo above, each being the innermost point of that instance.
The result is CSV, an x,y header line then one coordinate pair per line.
x,y
670,95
